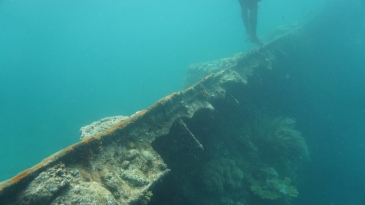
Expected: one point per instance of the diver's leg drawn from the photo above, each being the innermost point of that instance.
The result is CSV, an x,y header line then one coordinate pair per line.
x,y
244,16
253,24
253,19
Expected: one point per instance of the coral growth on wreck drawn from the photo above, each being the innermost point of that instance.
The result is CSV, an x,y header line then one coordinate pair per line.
x,y
278,137
244,161
222,174
275,189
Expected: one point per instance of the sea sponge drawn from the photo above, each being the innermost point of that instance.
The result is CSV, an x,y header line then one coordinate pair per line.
x,y
265,193
275,189
221,174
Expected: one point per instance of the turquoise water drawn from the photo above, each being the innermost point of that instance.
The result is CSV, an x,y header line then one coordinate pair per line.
x,y
65,64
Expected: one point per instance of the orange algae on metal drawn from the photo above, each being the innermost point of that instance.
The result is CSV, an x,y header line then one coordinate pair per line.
x,y
47,160
20,176
106,132
68,149
44,162
160,102
38,166
123,124
114,127
136,116
86,141
139,114
172,95
41,164
72,147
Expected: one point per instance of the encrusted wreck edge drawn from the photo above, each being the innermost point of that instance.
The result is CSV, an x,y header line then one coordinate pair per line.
x,y
147,125
99,126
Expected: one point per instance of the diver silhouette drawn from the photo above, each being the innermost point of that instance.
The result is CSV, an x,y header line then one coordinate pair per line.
x,y
249,11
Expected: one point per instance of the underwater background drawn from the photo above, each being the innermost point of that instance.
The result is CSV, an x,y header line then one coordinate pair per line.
x,y
65,64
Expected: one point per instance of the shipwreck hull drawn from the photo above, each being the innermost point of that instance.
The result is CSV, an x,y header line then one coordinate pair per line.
x,y
172,139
